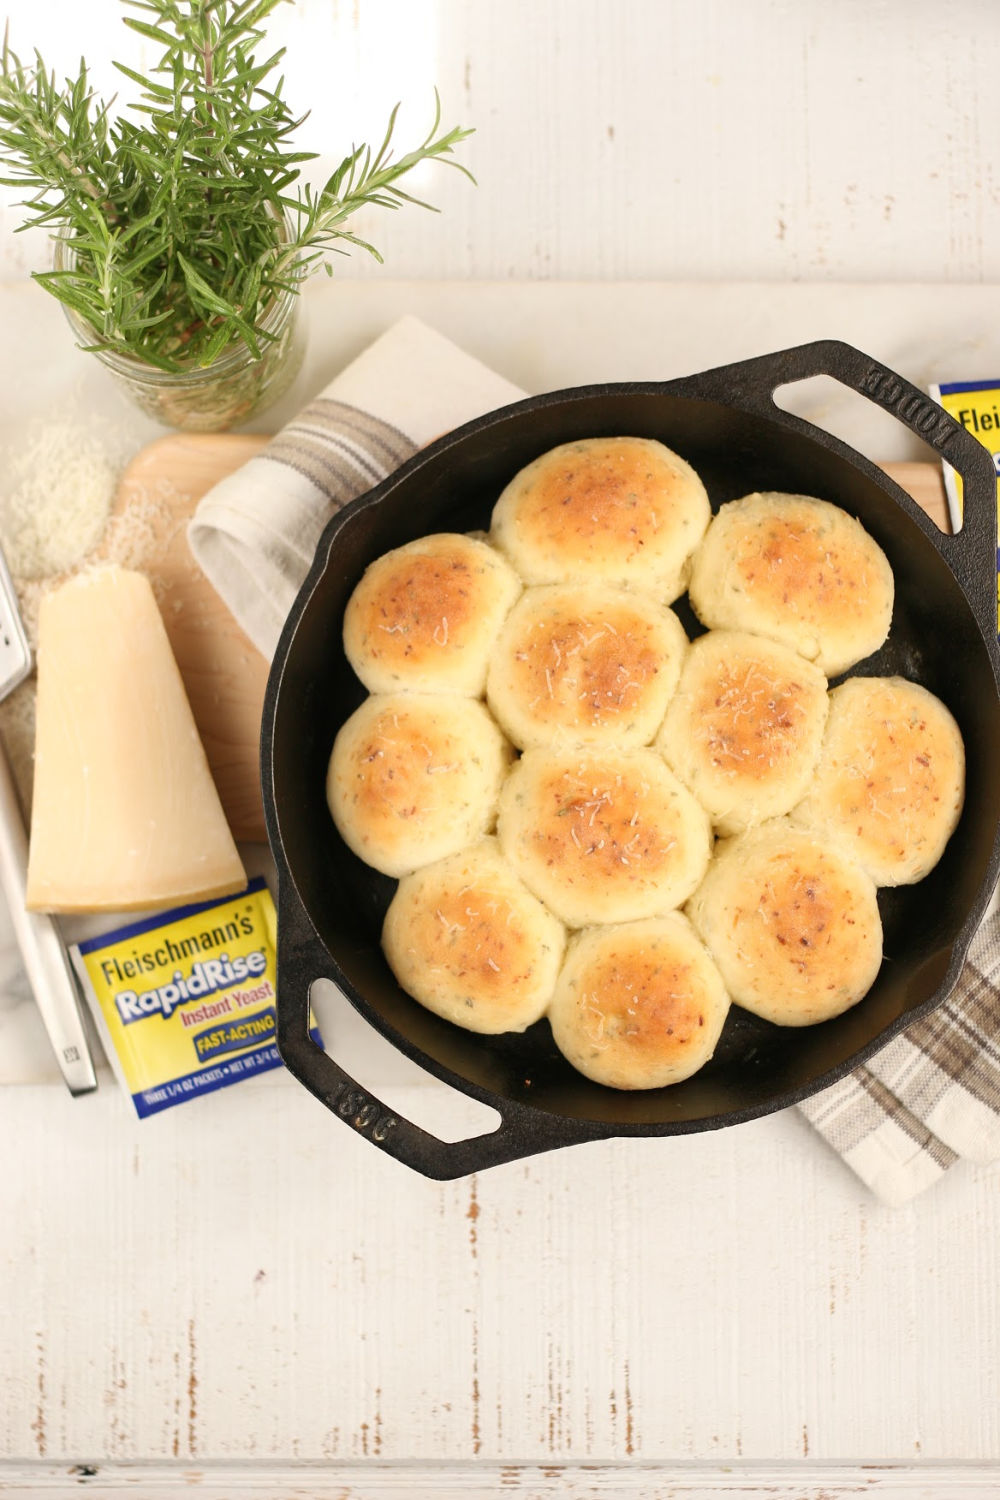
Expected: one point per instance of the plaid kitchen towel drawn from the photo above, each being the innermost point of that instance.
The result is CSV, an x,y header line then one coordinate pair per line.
x,y
930,1097
926,1100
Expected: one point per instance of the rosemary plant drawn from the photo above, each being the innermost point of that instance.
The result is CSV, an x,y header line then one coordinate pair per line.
x,y
183,224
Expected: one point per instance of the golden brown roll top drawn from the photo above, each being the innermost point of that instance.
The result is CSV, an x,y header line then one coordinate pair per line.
x,y
425,616
465,938
744,728
796,569
413,778
602,836
890,782
584,663
635,743
619,510
792,923
638,1006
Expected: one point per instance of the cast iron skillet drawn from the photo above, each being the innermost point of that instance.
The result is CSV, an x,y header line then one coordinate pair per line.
x,y
944,635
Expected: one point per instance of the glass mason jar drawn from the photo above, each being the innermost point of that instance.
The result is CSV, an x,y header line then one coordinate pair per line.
x,y
213,398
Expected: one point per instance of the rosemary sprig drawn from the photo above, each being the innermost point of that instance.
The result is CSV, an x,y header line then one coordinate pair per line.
x,y
183,222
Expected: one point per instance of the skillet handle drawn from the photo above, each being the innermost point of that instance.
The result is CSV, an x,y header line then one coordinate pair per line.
x,y
302,959
972,552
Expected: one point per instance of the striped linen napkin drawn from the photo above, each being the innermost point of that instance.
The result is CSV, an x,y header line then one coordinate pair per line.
x,y
254,534
926,1100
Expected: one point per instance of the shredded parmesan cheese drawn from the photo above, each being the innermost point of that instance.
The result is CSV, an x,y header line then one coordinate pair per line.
x,y
58,487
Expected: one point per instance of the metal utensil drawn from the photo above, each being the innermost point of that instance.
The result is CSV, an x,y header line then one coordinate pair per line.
x,y
45,957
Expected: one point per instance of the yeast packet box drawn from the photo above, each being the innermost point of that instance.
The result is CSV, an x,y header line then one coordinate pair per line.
x,y
976,405
184,1001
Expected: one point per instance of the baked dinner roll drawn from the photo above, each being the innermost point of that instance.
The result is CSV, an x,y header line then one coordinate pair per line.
x,y
413,778
792,923
602,836
796,569
890,782
743,729
584,663
466,939
618,510
640,1005
424,617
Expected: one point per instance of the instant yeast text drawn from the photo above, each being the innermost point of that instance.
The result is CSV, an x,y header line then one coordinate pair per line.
x,y
185,1000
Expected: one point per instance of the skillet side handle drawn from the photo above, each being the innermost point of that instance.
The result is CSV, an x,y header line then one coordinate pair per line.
x,y
973,551
302,960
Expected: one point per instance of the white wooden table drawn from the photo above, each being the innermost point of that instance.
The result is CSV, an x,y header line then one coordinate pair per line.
x,y
243,1286
241,1297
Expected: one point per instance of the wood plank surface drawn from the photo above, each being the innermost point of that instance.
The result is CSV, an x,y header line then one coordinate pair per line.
x,y
225,675
776,140
243,1297
245,1280
375,1480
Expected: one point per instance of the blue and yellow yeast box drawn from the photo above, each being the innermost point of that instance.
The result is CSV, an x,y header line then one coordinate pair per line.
x,y
185,1000
976,404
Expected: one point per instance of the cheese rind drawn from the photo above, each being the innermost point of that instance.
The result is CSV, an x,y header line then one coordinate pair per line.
x,y
125,814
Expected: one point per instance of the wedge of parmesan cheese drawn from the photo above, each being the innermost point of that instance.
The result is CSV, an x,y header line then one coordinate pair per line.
x,y
125,814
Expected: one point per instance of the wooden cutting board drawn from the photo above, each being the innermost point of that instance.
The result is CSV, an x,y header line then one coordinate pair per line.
x,y
224,673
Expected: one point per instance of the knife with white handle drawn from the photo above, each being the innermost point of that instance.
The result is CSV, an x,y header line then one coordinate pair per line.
x,y
45,958
42,950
